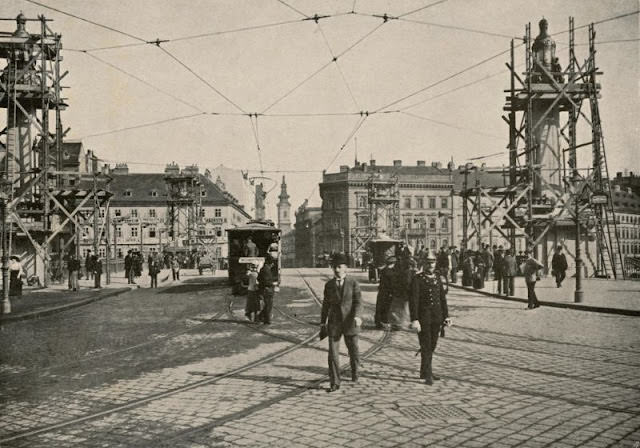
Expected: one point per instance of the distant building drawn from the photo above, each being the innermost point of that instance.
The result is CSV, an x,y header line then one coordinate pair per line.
x,y
308,233
627,180
140,218
626,205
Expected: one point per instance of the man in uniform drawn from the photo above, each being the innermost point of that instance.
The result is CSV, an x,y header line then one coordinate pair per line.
x,y
386,290
429,311
341,308
266,288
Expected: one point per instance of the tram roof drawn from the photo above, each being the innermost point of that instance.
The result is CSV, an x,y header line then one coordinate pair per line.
x,y
254,227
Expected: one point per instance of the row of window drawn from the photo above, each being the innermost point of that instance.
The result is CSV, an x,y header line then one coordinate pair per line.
x,y
628,232
420,222
628,219
152,232
151,212
121,252
408,202
154,193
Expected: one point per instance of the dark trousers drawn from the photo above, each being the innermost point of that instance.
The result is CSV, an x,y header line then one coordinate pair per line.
x,y
428,338
154,280
560,276
454,275
383,308
267,296
176,274
96,278
130,276
532,299
334,356
509,285
499,280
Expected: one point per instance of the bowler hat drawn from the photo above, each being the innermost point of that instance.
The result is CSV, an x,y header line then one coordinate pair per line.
x,y
339,259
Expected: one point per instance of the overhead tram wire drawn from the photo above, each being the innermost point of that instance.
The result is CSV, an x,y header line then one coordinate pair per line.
x,y
131,75
320,69
256,135
344,79
447,78
292,8
450,125
144,125
204,81
124,33
460,28
420,9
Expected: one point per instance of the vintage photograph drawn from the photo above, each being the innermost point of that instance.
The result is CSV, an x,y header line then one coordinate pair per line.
x,y
303,223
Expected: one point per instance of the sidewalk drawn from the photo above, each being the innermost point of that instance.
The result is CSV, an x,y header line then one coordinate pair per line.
x,y
612,296
39,302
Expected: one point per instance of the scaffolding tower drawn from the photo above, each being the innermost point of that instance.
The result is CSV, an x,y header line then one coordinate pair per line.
x,y
184,201
555,192
382,215
40,207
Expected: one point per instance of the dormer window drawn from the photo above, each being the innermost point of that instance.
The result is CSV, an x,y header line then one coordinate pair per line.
x,y
203,193
154,193
127,193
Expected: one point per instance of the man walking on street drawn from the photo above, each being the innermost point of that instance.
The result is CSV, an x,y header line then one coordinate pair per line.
x,y
429,311
530,271
88,265
97,271
265,281
386,289
128,267
498,267
559,266
74,266
341,308
455,261
509,271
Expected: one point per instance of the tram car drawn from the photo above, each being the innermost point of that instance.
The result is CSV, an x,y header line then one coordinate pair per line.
x,y
380,249
252,244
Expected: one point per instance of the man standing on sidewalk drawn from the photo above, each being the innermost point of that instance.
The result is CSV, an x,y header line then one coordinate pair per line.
x,y
498,267
429,311
97,271
88,265
455,261
530,271
559,266
74,266
341,308
509,271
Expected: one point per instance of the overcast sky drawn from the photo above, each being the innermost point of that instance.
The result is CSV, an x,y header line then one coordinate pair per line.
x,y
256,70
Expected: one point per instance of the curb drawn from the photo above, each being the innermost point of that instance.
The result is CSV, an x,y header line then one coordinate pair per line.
x,y
49,311
571,306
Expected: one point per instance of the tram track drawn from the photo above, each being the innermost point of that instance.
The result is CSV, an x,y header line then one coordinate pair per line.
x,y
295,345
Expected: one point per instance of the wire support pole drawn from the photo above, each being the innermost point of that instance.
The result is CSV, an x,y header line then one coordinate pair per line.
x,y
44,155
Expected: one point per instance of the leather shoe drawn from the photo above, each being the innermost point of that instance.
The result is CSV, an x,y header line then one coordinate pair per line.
x,y
435,377
428,382
334,387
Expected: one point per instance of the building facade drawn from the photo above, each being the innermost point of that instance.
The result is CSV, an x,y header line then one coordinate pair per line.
x,y
140,217
308,232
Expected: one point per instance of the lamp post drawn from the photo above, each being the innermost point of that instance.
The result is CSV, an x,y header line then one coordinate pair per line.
x,y
579,294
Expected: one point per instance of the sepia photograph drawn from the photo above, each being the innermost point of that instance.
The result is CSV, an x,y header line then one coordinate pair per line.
x,y
303,223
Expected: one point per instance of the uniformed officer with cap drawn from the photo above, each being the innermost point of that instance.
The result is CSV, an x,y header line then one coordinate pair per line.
x,y
428,310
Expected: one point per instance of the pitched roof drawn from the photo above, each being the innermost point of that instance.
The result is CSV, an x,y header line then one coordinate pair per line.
x,y
137,189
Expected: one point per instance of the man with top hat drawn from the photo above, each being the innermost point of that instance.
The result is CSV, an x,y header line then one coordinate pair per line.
x,y
341,310
429,311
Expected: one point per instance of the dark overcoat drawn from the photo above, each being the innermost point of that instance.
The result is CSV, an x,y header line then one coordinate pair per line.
x,y
428,303
341,306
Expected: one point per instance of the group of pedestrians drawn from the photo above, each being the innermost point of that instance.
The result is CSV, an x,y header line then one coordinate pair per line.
x,y
260,292
341,314
92,269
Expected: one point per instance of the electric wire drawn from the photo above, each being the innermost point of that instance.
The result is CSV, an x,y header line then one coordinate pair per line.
x,y
460,28
124,33
422,8
137,78
450,125
447,78
321,68
254,129
344,79
204,81
598,22
235,30
143,125
292,8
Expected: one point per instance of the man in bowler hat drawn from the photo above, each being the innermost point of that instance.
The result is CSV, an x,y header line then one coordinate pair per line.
x,y
341,310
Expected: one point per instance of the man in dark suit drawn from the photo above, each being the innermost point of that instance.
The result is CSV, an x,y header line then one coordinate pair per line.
x,y
341,309
429,311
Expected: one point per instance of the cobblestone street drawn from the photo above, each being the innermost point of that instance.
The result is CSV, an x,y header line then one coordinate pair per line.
x,y
180,367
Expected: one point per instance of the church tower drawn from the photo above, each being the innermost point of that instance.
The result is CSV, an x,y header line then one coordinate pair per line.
x,y
284,209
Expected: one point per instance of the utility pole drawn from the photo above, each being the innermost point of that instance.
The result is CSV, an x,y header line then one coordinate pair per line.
x,y
107,227
6,303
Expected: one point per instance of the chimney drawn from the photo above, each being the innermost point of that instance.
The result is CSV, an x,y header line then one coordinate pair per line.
x,y
344,168
436,164
397,163
616,188
421,163
121,168
372,162
364,167
172,168
619,174
191,169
